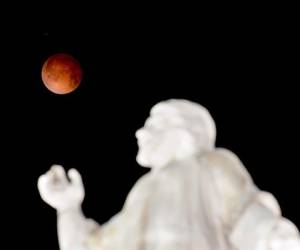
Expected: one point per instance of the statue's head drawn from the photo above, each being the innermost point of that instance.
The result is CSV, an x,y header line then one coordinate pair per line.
x,y
176,129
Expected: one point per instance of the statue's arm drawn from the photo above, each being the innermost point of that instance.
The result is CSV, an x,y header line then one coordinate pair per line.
x,y
251,218
261,226
126,226
66,197
75,230
284,236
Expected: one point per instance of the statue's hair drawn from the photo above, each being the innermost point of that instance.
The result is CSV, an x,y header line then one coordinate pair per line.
x,y
196,118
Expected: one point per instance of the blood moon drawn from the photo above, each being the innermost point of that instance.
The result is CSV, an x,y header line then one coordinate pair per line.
x,y
61,73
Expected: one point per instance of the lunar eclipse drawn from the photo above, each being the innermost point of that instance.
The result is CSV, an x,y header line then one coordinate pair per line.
x,y
61,74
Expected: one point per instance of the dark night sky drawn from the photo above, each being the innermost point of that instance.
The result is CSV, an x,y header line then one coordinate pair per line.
x,y
242,71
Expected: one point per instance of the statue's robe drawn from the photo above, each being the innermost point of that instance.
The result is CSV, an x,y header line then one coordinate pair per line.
x,y
208,202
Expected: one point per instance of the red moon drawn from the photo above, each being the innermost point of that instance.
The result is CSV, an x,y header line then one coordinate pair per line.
x,y
61,73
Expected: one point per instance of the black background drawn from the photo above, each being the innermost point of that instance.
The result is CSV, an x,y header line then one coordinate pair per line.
x,y
242,67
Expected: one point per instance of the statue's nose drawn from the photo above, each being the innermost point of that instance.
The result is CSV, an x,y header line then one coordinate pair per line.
x,y
142,134
139,133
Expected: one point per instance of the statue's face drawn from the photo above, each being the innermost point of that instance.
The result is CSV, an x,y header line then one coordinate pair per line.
x,y
161,140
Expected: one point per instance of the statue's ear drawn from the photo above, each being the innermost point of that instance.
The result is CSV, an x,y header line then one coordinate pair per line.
x,y
186,143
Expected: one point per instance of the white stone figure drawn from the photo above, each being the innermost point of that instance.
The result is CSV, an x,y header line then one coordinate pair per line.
x,y
196,197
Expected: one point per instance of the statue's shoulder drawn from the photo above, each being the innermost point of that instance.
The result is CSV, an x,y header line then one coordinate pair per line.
x,y
233,184
142,183
226,163
221,156
140,189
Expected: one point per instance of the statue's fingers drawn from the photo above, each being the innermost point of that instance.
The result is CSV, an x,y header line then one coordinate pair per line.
x,y
75,177
58,174
43,185
41,182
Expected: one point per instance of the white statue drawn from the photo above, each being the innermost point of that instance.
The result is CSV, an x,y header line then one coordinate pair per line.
x,y
195,197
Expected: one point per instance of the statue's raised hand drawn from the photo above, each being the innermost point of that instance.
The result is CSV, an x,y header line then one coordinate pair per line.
x,y
60,192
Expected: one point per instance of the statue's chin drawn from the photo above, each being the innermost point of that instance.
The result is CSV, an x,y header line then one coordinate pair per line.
x,y
142,160
157,161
